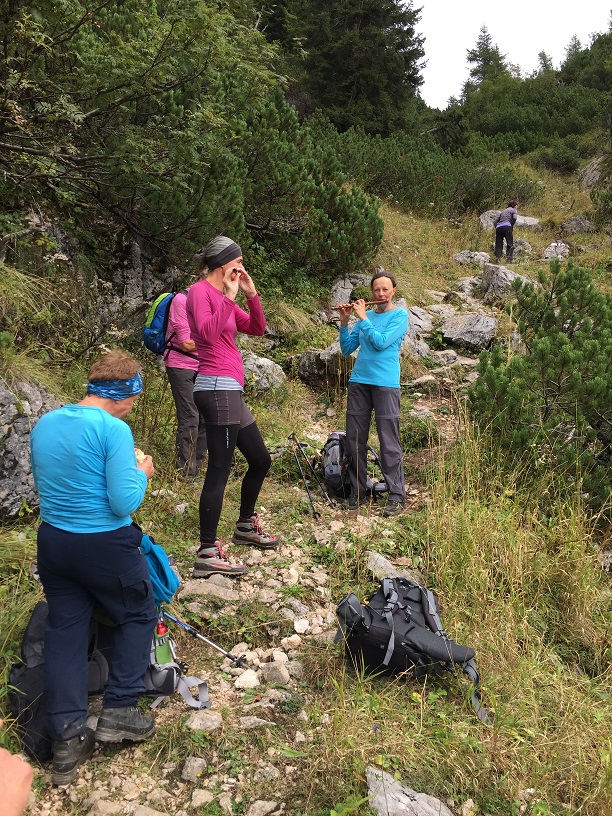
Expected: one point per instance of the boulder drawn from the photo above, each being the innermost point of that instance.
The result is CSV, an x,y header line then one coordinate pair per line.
x,y
557,249
577,223
497,282
471,258
329,365
471,330
388,797
590,174
19,411
342,288
487,220
262,373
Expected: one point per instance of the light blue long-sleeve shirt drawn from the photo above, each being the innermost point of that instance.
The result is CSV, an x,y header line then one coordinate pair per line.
x,y
378,339
85,469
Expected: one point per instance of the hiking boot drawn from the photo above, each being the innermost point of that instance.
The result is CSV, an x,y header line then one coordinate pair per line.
x,y
69,754
129,723
351,503
393,508
212,558
249,533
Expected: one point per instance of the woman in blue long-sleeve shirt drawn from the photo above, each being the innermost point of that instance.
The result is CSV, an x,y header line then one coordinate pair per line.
x,y
374,385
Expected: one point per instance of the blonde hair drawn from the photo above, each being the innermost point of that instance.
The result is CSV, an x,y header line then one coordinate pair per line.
x,y
116,364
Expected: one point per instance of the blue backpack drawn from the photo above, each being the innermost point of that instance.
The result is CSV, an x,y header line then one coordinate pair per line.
x,y
156,327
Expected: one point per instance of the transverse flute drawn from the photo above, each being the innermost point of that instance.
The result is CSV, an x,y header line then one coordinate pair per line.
x,y
367,303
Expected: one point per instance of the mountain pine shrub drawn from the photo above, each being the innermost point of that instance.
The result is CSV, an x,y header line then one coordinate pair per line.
x,y
550,408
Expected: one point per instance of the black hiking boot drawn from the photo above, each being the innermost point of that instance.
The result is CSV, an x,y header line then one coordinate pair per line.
x,y
69,754
116,724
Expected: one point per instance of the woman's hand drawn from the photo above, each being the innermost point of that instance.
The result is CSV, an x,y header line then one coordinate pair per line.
x,y
345,310
231,281
245,282
360,309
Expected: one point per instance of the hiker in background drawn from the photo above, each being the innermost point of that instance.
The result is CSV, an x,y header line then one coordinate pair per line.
x,y
89,481
504,225
15,782
374,385
214,320
182,367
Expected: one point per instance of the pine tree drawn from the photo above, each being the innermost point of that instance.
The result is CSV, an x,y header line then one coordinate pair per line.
x,y
487,61
551,407
362,61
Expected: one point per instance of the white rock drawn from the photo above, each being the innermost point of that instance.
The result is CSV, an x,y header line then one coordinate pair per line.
x,y
247,680
301,625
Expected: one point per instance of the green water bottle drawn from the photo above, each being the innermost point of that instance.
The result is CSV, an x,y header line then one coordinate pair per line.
x,y
163,652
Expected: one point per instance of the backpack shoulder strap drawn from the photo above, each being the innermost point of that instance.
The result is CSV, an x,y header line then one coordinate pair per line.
x,y
469,668
391,596
184,686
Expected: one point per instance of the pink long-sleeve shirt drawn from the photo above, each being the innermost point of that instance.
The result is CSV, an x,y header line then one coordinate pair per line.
x,y
214,321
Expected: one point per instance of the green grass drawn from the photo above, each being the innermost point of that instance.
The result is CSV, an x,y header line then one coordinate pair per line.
x,y
512,561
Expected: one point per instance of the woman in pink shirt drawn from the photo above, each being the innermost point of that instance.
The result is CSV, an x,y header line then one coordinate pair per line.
x,y
214,320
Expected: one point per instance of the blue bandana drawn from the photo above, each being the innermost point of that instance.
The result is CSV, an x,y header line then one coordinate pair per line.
x,y
116,390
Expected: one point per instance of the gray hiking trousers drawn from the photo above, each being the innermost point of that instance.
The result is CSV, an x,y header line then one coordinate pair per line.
x,y
385,402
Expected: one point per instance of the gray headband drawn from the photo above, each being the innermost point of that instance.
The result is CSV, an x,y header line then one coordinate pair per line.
x,y
221,250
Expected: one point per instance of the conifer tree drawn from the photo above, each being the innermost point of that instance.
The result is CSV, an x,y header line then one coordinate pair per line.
x,y
551,406
362,62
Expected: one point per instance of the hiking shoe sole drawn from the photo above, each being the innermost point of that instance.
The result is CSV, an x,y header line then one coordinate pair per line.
x,y
272,544
200,571
118,735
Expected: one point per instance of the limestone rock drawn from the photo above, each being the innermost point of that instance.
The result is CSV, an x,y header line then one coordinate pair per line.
x,y
262,373
193,768
487,220
472,330
204,720
19,412
390,798
497,281
274,673
577,223
261,808
381,567
206,586
471,258
248,679
557,249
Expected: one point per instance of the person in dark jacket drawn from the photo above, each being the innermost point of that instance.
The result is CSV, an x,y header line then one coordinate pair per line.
x,y
504,224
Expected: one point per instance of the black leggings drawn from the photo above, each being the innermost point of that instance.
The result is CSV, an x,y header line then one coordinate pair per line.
x,y
222,440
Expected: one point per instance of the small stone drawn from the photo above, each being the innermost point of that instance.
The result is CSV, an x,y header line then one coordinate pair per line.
x,y
291,642
204,720
261,808
299,737
301,625
247,680
193,768
249,723
275,673
201,797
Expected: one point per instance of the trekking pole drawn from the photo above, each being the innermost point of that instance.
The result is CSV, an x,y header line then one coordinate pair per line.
x,y
315,512
301,446
239,661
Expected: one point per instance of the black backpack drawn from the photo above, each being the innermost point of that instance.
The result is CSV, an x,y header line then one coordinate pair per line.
x,y
26,696
399,630
335,467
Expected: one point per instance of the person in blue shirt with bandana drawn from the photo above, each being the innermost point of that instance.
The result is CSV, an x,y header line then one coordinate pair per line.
x,y
89,482
374,385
